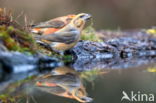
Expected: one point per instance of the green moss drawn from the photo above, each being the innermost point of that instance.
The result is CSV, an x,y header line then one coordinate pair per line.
x,y
17,40
7,99
3,96
67,58
91,75
13,91
151,31
90,34
152,69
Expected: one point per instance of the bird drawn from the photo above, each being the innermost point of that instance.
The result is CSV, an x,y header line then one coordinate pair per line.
x,y
66,37
64,81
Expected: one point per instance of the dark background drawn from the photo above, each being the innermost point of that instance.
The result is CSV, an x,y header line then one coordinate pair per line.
x,y
107,14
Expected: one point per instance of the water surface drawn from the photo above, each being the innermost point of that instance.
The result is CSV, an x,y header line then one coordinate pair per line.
x,y
102,85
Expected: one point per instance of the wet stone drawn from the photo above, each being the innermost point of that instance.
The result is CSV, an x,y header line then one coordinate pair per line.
x,y
134,47
89,49
17,63
120,47
114,53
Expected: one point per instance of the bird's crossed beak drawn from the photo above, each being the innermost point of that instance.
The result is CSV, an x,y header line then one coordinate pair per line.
x,y
87,17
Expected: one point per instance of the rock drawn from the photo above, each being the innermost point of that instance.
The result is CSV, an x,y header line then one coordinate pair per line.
x,y
90,50
120,47
18,62
131,47
114,53
21,65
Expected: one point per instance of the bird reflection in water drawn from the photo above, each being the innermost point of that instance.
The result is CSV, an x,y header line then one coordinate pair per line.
x,y
65,82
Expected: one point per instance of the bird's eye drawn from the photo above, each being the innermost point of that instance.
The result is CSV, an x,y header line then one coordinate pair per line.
x,y
81,16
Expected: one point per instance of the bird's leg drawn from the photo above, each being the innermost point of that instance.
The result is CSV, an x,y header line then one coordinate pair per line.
x,y
58,52
45,45
49,47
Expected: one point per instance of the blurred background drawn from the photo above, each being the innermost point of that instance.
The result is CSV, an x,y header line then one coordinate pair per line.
x,y
107,14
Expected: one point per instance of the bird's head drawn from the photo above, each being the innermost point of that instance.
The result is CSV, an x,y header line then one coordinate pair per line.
x,y
80,19
81,95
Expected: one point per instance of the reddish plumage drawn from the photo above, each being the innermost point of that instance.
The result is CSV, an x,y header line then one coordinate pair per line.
x,y
52,25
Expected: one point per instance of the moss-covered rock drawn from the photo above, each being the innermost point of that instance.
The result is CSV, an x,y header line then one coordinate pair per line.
x,y
15,37
16,40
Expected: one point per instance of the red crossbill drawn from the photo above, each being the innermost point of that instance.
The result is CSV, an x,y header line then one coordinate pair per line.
x,y
64,81
67,35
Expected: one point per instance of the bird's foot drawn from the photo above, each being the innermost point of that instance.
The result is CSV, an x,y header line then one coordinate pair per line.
x,y
58,52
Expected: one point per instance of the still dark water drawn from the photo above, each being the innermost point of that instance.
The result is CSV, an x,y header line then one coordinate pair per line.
x,y
102,85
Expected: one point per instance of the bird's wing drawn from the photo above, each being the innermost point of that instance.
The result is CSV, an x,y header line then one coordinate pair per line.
x,y
58,22
50,24
68,36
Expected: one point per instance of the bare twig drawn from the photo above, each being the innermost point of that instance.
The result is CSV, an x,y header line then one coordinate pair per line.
x,y
22,13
